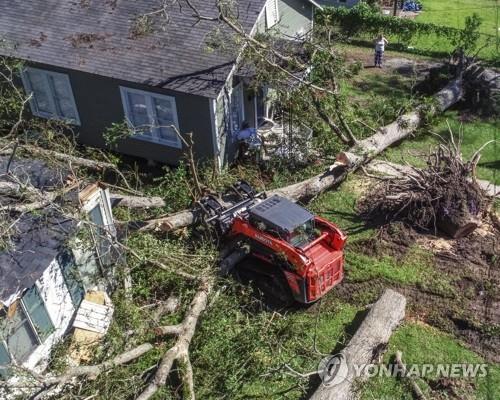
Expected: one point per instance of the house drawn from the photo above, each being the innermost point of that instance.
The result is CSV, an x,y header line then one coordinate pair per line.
x,y
45,268
95,63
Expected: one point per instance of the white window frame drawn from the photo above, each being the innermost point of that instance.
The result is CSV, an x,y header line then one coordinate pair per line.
x,y
101,198
31,325
51,95
272,18
155,136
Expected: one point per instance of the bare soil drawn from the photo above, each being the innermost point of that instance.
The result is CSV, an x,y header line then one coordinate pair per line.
x,y
471,311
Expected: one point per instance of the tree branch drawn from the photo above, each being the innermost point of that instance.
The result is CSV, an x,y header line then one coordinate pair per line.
x,y
180,350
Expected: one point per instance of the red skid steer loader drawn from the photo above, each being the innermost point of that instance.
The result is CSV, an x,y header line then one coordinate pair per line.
x,y
301,255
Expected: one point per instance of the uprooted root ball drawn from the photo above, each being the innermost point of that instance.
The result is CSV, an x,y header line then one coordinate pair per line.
x,y
443,196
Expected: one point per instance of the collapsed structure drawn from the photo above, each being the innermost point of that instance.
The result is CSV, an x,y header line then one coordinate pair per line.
x,y
49,261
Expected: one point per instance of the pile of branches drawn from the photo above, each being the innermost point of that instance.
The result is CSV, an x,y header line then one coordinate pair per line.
x,y
444,195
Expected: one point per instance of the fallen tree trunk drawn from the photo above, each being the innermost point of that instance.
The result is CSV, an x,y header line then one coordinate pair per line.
x,y
373,334
136,201
367,149
76,161
347,162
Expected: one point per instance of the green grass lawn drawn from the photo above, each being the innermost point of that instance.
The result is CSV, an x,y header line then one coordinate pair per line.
x,y
422,344
450,14
453,14
473,135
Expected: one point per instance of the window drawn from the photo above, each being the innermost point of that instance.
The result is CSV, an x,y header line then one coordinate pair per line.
x,y
52,96
104,244
272,13
21,337
71,276
99,212
303,234
38,314
29,326
151,116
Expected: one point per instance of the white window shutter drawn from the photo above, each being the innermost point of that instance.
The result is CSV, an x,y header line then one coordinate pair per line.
x,y
272,13
52,96
63,96
36,85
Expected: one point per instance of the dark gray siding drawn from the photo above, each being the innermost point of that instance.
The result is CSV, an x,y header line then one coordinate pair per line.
x,y
99,104
338,3
296,19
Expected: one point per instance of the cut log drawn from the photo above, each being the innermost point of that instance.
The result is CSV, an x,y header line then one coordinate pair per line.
x,y
458,225
169,223
373,334
136,201
347,162
367,149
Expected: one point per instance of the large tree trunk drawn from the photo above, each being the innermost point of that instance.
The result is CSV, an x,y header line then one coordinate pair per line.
x,y
367,149
373,334
347,162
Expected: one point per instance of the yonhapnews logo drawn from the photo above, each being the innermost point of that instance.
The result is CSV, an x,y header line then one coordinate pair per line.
x,y
333,370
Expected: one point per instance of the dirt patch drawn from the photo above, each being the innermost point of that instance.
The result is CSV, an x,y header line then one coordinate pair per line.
x,y
448,388
394,240
471,309
392,64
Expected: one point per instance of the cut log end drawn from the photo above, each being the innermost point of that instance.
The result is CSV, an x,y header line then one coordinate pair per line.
x,y
464,230
458,228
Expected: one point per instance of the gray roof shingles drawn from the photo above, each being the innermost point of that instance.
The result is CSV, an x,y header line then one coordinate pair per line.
x,y
94,36
37,242
35,239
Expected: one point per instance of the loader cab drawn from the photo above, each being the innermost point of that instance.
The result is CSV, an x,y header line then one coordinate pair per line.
x,y
284,219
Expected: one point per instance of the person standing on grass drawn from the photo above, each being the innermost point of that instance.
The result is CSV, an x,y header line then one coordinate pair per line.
x,y
380,43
